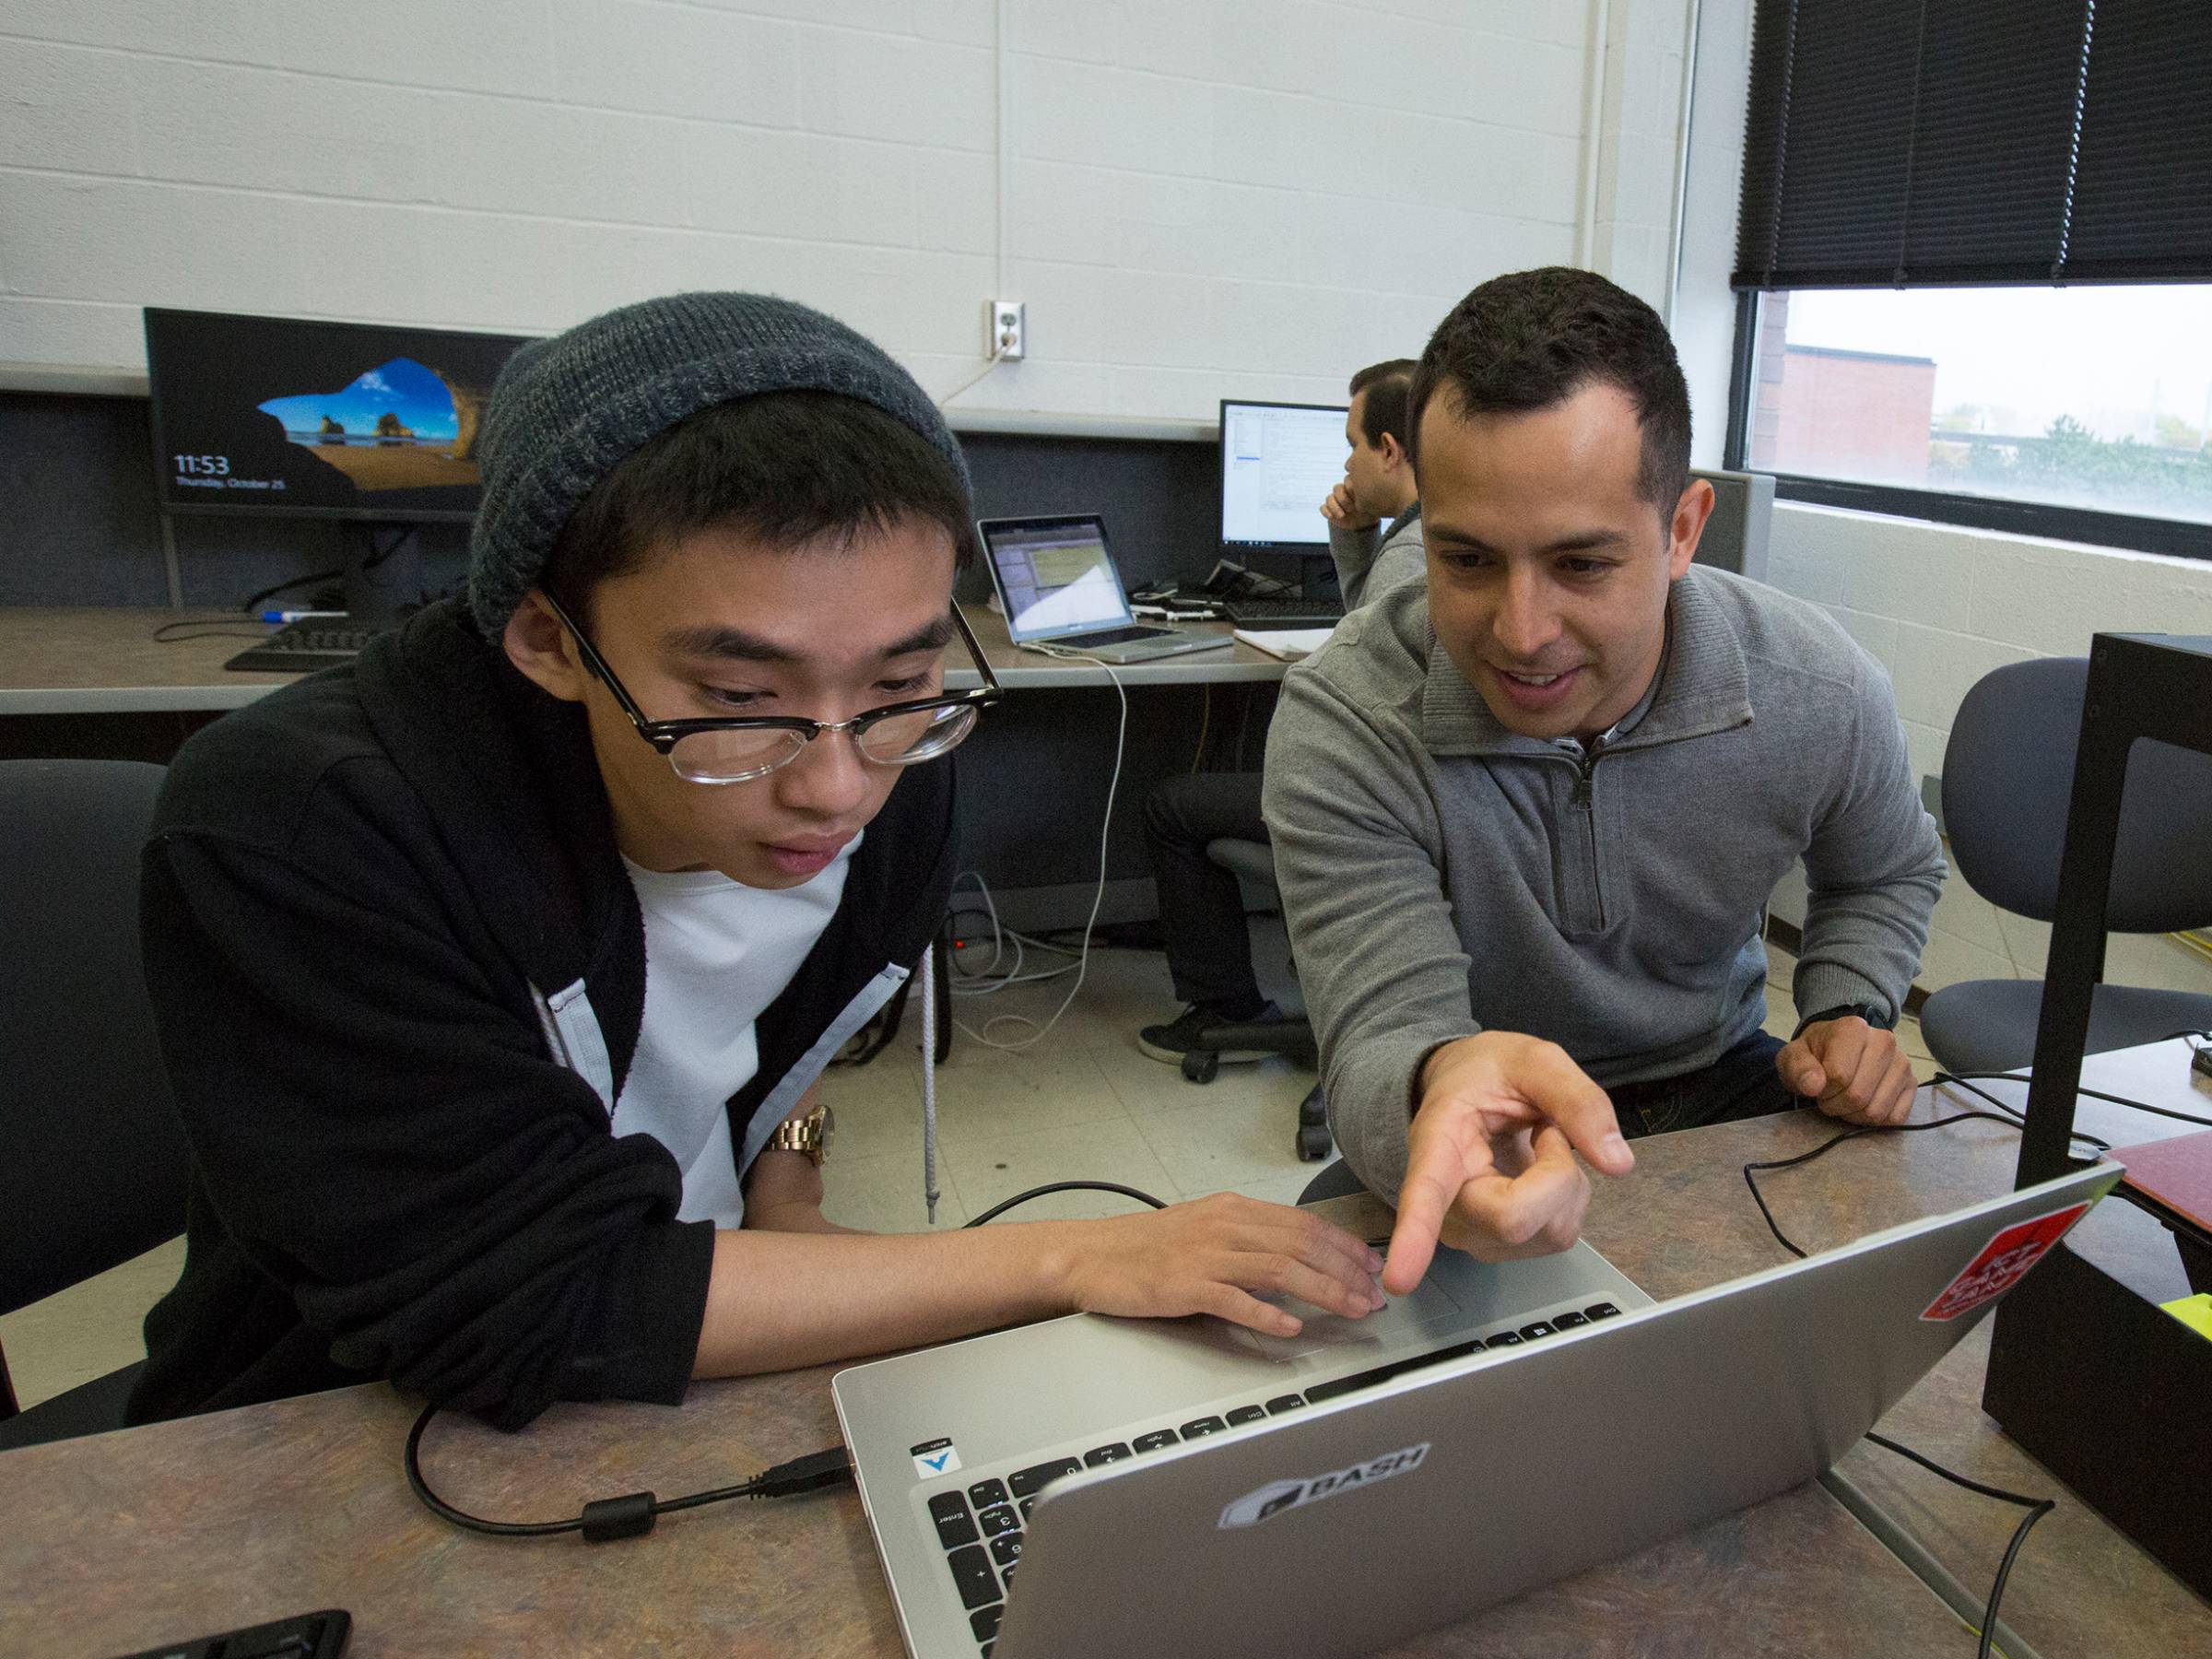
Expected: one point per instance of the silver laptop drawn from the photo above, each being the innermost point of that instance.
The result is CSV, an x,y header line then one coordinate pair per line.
x,y
1101,1487
1058,586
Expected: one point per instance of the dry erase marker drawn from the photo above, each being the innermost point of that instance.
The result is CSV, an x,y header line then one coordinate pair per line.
x,y
285,615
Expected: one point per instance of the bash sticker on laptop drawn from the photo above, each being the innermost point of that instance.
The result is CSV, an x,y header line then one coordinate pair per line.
x,y
1277,1496
933,1458
2002,1261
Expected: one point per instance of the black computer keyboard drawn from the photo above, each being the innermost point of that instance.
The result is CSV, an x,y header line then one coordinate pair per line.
x,y
990,1536
302,648
1283,613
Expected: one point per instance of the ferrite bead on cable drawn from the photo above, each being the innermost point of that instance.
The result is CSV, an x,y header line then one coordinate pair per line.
x,y
629,1516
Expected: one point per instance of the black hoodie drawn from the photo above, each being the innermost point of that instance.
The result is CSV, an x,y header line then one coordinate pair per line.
x,y
397,971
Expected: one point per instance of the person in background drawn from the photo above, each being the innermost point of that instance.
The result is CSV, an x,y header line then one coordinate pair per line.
x,y
1375,513
1374,518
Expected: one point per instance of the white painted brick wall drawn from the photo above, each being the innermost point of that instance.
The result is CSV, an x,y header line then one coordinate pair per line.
x,y
1942,606
1206,196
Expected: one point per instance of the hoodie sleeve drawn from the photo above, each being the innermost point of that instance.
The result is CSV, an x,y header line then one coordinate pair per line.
x,y
378,1127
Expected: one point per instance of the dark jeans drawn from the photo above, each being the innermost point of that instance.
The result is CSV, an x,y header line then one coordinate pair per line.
x,y
1742,1083
1201,906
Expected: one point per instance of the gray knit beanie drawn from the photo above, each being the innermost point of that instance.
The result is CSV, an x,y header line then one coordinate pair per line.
x,y
566,410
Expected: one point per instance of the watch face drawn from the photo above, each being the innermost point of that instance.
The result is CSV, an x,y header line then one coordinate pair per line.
x,y
821,1145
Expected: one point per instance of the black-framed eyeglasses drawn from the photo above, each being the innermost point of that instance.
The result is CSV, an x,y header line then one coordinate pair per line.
x,y
738,748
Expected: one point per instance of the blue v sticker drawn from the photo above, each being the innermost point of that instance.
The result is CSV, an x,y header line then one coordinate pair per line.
x,y
933,1458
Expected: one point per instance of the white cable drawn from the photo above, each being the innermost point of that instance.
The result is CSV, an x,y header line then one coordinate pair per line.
x,y
929,1080
989,363
989,982
1098,898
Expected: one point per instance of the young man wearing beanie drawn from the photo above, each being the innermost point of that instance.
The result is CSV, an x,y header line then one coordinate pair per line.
x,y
1527,815
496,973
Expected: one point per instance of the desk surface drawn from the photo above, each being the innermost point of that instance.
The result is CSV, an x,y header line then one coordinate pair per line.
x,y
117,1542
105,660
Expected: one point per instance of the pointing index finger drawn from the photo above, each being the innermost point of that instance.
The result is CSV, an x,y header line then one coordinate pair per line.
x,y
1433,1179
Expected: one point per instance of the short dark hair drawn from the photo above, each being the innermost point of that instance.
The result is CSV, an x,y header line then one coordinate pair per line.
x,y
1531,340
786,467
1384,411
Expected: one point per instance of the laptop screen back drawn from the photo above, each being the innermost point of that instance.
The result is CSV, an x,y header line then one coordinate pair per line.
x,y
1055,576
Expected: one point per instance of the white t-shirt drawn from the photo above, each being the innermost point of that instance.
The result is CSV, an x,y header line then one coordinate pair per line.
x,y
717,953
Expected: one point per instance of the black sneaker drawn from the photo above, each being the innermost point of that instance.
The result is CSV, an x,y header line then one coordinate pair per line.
x,y
1170,1043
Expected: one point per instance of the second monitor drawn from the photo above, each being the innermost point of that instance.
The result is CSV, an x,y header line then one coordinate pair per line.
x,y
1278,462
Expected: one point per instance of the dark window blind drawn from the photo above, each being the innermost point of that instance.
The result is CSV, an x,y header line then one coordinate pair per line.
x,y
1917,143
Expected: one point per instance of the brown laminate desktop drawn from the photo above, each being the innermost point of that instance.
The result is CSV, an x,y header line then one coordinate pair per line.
x,y
116,1543
107,660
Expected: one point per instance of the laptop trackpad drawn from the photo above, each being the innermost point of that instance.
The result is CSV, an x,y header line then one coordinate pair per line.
x,y
1398,1324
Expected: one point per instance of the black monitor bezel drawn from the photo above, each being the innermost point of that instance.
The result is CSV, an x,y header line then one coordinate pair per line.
x,y
1287,548
245,508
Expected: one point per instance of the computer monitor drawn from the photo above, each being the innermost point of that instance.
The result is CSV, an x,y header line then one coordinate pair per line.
x,y
1278,462
285,416
1743,516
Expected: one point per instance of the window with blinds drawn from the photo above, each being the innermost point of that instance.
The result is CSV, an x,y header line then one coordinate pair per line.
x,y
1915,142
1974,248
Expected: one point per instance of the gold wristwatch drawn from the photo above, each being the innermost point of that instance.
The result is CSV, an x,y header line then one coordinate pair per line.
x,y
809,1136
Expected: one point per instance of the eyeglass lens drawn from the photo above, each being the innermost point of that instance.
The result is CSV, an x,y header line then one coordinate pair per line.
x,y
734,755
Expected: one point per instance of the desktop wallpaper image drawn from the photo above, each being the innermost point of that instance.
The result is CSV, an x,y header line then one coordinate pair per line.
x,y
397,426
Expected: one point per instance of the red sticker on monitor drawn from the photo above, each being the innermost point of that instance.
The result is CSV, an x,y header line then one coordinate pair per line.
x,y
2002,1262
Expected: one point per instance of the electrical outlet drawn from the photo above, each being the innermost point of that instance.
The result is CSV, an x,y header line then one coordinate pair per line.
x,y
1008,325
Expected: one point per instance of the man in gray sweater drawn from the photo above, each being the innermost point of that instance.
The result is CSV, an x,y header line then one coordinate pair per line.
x,y
1375,513
1526,815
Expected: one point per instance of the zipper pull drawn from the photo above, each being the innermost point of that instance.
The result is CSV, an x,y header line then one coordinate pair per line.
x,y
1581,798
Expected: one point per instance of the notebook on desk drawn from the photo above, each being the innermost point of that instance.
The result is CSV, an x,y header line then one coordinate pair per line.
x,y
1187,1486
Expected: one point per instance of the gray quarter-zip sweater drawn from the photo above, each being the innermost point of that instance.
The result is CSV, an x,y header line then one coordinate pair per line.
x,y
1442,874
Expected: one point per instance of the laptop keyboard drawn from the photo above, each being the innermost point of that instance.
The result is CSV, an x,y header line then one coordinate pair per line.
x,y
1112,635
981,1530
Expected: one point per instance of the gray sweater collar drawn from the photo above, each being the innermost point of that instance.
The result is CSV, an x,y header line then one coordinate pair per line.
x,y
1704,686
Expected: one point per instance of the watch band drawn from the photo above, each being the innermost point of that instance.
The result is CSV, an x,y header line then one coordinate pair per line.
x,y
809,1136
1874,1014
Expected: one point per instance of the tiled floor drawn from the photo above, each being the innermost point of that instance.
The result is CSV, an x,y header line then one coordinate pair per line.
x,y
1081,1102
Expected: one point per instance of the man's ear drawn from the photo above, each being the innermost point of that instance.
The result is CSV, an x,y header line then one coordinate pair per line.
x,y
1393,452
536,643
1686,527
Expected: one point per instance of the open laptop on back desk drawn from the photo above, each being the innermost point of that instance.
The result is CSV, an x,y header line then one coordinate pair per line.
x,y
1060,591
1187,1487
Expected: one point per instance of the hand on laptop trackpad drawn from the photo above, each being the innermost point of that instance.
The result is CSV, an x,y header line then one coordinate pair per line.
x,y
1405,1316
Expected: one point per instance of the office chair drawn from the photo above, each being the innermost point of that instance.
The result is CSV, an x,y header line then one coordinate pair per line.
x,y
2007,777
1253,861
96,1167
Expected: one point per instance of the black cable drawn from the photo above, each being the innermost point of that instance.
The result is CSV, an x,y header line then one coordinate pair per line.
x,y
2037,1508
2010,1114
1837,1139
2093,1094
632,1514
212,628
998,1210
